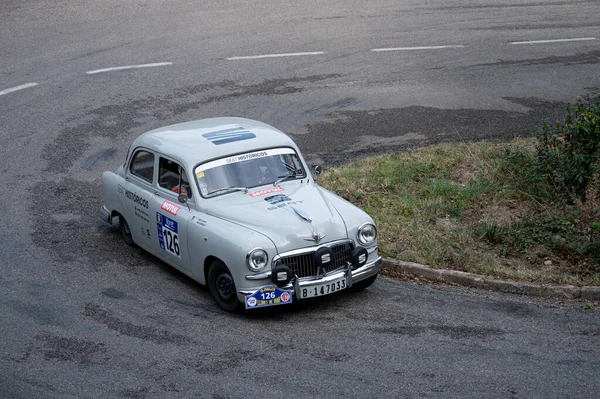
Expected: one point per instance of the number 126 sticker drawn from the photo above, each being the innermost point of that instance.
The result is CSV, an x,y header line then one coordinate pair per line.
x,y
168,234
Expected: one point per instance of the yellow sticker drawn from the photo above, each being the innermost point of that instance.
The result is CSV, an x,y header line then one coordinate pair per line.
x,y
200,175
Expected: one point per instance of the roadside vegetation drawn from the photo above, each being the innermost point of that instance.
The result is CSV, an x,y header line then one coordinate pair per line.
x,y
526,210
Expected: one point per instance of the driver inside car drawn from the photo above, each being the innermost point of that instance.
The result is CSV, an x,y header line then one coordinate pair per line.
x,y
184,185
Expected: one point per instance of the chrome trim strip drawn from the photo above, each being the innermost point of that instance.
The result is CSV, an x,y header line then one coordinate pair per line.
x,y
307,250
260,276
105,214
302,214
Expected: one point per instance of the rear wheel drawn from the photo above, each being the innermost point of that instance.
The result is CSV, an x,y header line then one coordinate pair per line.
x,y
361,285
222,287
125,231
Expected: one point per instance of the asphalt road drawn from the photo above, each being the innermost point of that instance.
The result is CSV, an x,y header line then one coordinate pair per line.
x,y
82,315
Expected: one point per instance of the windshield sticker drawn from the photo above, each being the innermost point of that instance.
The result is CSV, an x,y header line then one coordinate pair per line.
x,y
242,158
168,234
200,175
170,207
229,135
267,191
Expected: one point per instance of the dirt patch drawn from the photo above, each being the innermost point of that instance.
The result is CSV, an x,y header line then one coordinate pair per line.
x,y
501,215
463,174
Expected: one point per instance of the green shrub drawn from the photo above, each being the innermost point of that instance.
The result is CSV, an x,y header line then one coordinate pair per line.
x,y
521,178
568,151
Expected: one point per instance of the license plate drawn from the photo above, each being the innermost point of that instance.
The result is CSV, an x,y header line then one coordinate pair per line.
x,y
323,289
268,296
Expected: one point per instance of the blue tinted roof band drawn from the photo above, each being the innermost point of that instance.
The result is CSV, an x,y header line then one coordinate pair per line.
x,y
219,132
240,137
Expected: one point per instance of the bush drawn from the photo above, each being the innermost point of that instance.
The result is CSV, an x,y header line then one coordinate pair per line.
x,y
568,151
518,173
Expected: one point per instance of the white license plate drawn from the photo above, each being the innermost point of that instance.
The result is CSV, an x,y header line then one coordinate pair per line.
x,y
323,289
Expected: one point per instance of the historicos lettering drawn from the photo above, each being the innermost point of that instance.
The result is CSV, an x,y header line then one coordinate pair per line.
x,y
246,157
132,196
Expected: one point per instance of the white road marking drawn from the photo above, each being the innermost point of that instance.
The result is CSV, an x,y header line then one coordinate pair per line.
x,y
17,88
122,68
417,48
254,57
577,39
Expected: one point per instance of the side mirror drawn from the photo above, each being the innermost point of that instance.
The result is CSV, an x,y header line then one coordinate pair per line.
x,y
318,170
182,198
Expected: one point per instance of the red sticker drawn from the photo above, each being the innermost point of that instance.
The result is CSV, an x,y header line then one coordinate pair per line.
x,y
267,191
170,207
285,297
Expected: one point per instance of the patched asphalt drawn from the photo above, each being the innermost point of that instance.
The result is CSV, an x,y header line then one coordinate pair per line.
x,y
83,315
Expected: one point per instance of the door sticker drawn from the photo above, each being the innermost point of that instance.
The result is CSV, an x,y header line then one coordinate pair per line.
x,y
170,207
168,234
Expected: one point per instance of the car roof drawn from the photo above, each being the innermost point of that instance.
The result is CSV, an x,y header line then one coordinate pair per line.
x,y
198,141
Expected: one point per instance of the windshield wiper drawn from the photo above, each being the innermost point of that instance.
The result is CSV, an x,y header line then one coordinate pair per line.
x,y
227,189
284,178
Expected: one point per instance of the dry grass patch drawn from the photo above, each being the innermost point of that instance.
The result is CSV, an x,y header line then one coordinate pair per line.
x,y
476,207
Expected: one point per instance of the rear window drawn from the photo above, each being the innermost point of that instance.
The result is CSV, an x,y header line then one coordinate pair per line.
x,y
142,165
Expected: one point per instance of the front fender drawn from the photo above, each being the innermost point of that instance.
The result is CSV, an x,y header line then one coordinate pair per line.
x,y
209,236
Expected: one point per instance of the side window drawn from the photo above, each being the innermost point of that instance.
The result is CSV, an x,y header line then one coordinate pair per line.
x,y
142,165
172,177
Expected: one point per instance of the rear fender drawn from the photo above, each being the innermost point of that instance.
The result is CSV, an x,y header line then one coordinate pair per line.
x,y
112,192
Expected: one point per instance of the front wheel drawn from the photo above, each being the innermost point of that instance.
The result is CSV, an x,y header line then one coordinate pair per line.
x,y
222,287
361,285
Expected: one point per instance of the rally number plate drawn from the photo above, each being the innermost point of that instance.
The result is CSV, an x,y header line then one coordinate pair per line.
x,y
268,296
323,289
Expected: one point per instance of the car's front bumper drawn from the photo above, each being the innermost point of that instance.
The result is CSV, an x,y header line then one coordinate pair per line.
x,y
368,270
105,214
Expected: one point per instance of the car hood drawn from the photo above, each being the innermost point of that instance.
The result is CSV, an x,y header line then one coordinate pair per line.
x,y
289,215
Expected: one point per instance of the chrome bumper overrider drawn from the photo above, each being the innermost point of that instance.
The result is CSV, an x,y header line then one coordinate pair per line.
x,y
352,276
105,213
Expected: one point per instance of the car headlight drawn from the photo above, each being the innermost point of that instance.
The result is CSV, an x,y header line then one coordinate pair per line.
x,y
257,259
367,233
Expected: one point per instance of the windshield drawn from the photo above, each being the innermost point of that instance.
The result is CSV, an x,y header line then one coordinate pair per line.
x,y
248,170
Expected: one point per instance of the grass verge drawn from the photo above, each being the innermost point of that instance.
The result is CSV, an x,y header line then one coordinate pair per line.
x,y
476,207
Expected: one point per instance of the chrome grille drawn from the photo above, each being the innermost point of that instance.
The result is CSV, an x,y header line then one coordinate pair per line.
x,y
303,265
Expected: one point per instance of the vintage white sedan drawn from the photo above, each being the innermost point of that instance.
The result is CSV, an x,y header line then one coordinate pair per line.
x,y
231,203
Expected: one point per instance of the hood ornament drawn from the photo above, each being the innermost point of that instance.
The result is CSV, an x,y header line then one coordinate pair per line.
x,y
316,237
